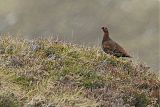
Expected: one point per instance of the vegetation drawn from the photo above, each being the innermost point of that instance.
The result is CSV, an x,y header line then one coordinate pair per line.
x,y
51,73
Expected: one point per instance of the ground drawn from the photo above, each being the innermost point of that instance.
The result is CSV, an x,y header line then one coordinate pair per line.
x,y
52,73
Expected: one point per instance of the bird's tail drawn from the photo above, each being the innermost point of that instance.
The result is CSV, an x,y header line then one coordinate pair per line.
x,y
129,56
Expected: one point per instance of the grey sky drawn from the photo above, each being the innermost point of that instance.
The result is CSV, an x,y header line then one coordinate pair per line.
x,y
132,23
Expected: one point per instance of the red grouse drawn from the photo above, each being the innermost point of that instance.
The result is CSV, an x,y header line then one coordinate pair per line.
x,y
111,47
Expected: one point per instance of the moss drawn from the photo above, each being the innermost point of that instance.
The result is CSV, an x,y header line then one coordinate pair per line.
x,y
140,100
9,100
74,54
22,80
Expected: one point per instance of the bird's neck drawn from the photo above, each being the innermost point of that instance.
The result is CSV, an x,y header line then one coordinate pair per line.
x,y
106,37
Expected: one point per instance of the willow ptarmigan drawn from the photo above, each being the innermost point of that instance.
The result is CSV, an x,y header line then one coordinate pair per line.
x,y
111,47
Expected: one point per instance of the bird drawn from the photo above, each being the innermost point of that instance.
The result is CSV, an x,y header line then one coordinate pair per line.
x,y
111,47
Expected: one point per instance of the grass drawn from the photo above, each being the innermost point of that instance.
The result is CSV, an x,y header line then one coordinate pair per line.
x,y
50,73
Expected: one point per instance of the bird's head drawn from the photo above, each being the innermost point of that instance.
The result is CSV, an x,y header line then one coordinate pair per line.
x,y
105,30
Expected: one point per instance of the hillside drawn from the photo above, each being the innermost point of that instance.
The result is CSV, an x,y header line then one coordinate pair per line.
x,y
51,73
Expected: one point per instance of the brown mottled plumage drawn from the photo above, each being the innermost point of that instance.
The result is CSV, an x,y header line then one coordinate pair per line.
x,y
111,47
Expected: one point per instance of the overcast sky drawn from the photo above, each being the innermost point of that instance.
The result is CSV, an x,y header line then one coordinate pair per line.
x,y
132,23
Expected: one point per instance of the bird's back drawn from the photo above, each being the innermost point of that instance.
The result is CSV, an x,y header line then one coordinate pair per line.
x,y
112,48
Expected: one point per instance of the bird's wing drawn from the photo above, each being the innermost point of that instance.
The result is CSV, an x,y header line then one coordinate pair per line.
x,y
119,51
113,48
